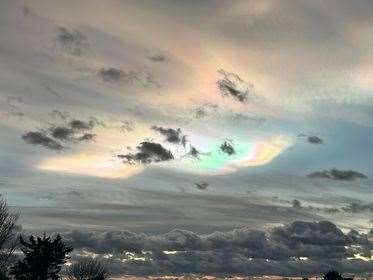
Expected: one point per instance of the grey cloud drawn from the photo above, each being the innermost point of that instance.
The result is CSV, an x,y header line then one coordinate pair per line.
x,y
148,152
230,84
357,207
233,251
157,58
57,137
205,110
227,148
38,138
71,41
335,174
138,78
111,74
314,139
174,136
201,185
296,204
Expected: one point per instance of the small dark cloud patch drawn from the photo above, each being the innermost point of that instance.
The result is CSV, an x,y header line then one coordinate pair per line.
x,y
174,136
81,125
137,78
201,185
127,126
314,139
335,174
227,148
296,204
248,119
147,152
39,138
357,207
62,133
71,41
311,139
232,85
157,58
193,152
111,74
60,136
205,110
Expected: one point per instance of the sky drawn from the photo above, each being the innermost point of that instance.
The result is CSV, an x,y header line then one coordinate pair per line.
x,y
192,136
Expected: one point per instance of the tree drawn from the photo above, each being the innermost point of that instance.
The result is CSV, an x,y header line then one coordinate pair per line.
x,y
332,275
87,269
8,240
43,258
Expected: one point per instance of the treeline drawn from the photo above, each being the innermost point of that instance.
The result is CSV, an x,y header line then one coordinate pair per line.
x,y
40,257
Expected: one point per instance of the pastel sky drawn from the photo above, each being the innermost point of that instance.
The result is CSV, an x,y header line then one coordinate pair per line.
x,y
198,115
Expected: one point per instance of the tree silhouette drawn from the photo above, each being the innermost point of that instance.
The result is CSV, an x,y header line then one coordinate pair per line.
x,y
43,258
332,275
87,269
8,238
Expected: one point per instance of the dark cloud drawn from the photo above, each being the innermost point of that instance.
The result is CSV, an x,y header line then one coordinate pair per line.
x,y
38,138
241,251
71,41
111,74
201,185
174,136
357,207
157,58
147,152
56,137
230,84
227,148
81,125
296,204
87,137
335,174
314,139
205,110
139,78
193,152
62,133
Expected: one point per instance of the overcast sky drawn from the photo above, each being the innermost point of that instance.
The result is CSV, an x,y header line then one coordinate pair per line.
x,y
204,116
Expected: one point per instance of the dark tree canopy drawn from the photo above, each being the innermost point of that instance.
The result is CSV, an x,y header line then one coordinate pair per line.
x,y
43,258
333,275
8,238
87,269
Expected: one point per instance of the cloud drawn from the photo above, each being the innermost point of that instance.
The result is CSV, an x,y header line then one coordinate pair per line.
x,y
357,207
201,185
240,250
314,139
335,174
38,138
148,152
227,148
56,137
157,58
71,41
174,136
296,204
232,85
111,74
205,110
139,78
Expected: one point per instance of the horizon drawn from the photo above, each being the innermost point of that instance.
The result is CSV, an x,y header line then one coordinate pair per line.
x,y
202,137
